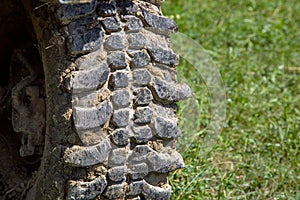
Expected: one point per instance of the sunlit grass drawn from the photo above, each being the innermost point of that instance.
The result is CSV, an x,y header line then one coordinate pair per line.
x,y
256,46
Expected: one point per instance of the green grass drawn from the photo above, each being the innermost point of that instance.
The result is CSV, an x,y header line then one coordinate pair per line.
x,y
256,46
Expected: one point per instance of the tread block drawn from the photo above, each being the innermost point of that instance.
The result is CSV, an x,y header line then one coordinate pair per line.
x,y
170,92
90,61
141,77
82,40
78,190
133,24
120,137
182,91
135,188
85,100
143,115
142,134
90,79
116,191
121,118
87,156
121,98
162,89
166,129
117,60
115,42
68,12
143,96
160,24
165,161
118,156
119,80
117,173
157,193
111,24
136,40
140,153
138,171
140,59
87,118
163,56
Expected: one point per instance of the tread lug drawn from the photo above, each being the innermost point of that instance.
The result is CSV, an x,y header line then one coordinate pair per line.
x,y
115,42
142,134
82,40
158,193
143,96
117,60
143,115
136,41
68,12
117,173
87,118
133,24
135,188
166,129
87,156
121,99
120,137
140,59
164,162
170,92
78,190
116,191
160,24
90,79
121,118
140,153
138,171
119,80
111,24
164,56
141,77
118,156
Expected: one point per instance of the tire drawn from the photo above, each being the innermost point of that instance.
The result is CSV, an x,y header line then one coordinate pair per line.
x,y
110,78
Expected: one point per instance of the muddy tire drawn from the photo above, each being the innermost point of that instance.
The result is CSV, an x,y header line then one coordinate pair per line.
x,y
110,81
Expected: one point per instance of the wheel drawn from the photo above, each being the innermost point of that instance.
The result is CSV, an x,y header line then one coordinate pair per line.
x,y
111,93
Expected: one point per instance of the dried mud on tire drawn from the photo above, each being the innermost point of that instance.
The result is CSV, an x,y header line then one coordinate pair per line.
x,y
121,79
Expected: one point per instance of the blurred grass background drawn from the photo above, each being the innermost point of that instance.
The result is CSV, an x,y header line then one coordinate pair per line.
x,y
256,46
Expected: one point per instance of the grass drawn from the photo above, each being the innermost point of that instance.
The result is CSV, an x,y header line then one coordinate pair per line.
x,y
256,46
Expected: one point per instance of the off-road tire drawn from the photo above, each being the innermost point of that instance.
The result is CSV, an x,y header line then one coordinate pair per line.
x,y
111,125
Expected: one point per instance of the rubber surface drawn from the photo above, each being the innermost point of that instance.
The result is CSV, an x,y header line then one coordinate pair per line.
x,y
124,89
